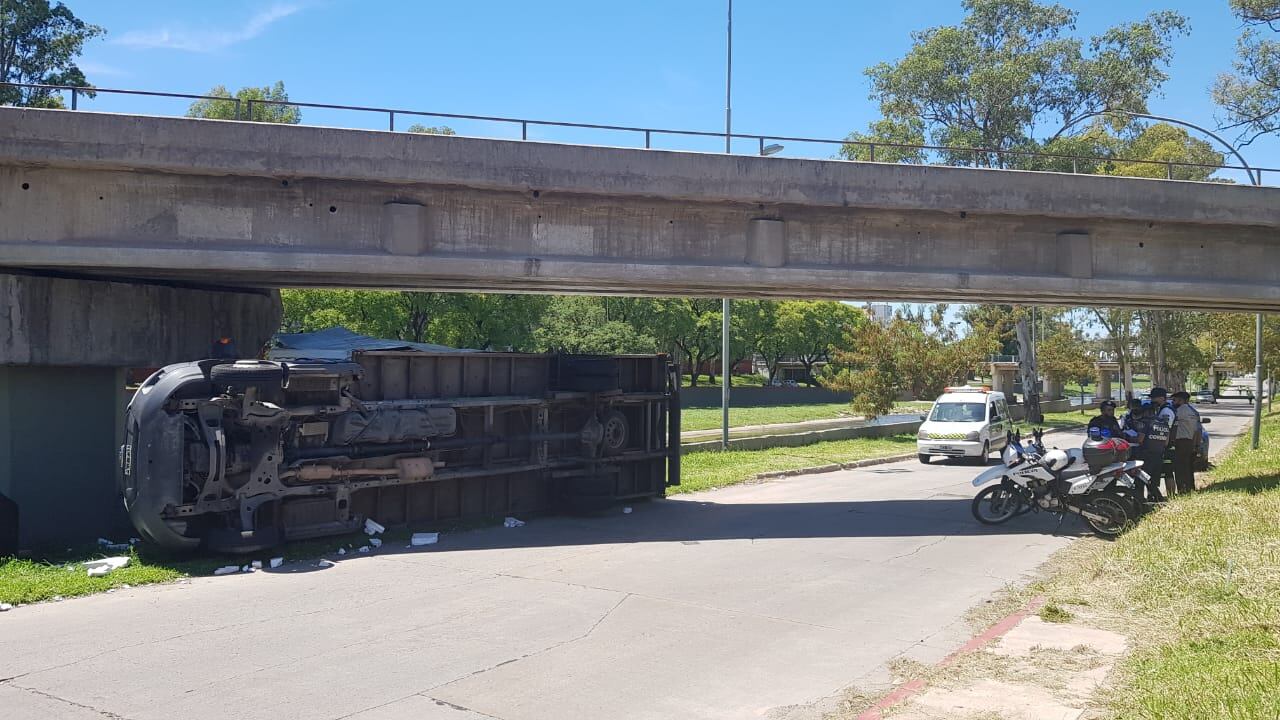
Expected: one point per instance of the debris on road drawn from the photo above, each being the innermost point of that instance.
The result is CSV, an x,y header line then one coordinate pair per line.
x,y
626,510
246,569
256,564
363,549
326,564
112,546
373,528
512,523
376,542
5,607
277,562
227,570
342,551
100,568
420,539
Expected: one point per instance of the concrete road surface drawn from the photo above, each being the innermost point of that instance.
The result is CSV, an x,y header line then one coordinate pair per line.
x,y
765,600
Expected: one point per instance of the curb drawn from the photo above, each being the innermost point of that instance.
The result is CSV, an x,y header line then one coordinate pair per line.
x,y
912,688
835,467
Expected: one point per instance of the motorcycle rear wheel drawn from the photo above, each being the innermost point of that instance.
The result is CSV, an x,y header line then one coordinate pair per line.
x,y
995,505
1113,507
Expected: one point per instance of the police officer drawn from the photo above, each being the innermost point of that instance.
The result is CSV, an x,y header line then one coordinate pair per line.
x,y
1186,439
1158,433
1134,426
1106,419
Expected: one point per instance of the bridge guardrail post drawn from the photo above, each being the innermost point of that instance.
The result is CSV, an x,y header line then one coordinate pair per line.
x,y
391,120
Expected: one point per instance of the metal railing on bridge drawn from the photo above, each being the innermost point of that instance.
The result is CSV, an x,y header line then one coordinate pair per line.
x,y
850,150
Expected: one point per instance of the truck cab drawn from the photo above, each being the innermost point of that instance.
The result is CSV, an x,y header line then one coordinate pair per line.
x,y
966,423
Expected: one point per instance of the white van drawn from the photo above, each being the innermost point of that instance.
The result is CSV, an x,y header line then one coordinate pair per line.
x,y
965,422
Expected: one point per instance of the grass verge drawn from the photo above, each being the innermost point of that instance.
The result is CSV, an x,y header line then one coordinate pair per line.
x,y
1196,588
714,469
62,574
709,418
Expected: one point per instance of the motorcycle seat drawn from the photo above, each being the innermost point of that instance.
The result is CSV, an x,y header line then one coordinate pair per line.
x,y
1070,472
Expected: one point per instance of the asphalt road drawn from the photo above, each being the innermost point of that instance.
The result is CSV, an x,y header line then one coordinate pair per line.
x,y
766,600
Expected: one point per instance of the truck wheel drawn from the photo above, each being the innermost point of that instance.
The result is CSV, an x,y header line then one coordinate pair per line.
x,y
615,432
924,459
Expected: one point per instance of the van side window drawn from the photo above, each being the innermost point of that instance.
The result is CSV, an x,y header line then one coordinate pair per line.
x,y
995,412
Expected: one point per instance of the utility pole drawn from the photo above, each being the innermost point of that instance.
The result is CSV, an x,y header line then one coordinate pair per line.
x,y
725,369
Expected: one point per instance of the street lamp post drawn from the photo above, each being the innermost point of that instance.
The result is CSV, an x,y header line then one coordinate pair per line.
x,y
724,303
1255,179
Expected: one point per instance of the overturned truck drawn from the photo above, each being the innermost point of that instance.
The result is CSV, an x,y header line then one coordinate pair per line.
x,y
239,456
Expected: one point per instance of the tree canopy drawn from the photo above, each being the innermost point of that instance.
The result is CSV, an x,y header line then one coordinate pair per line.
x,y
1012,76
1250,94
39,44
268,112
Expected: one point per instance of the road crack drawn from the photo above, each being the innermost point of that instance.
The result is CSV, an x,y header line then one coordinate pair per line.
x,y
90,708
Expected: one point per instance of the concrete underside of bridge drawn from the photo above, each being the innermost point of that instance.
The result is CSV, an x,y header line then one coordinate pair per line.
x,y
264,205
65,347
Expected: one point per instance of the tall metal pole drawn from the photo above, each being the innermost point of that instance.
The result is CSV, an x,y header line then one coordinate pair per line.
x,y
1257,382
724,303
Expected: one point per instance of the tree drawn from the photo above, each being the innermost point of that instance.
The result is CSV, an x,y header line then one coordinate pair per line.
x,y
1190,158
259,111
807,330
1121,327
39,44
1063,355
577,324
435,130
488,321
1011,73
1251,93
868,369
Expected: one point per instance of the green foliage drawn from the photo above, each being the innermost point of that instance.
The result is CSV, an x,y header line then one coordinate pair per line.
x,y
39,44
1063,355
434,130
1251,93
267,112
1165,143
577,324
1011,69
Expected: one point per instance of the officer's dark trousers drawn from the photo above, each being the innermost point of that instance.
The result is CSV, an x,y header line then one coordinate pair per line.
x,y
1183,472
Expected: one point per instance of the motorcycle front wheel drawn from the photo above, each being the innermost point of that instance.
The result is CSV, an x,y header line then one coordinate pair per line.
x,y
1112,508
995,505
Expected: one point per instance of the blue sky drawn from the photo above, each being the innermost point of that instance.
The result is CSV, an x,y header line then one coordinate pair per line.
x,y
798,67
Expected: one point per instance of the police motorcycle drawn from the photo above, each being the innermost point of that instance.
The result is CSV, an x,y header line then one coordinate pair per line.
x,y
1032,478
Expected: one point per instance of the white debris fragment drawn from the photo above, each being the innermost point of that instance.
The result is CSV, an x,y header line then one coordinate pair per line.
x,y
104,542
342,551
125,586
420,539
227,570
363,549
277,562
626,510
326,563
246,568
512,523
5,607
373,528
57,598
99,568
256,564
376,542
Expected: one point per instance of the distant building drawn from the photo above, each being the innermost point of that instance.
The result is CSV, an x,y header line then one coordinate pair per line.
x,y
880,313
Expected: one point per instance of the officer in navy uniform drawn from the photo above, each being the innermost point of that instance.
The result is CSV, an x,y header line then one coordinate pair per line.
x,y
1134,426
1158,432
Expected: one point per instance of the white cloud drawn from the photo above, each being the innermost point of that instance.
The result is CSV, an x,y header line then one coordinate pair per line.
x,y
96,68
206,40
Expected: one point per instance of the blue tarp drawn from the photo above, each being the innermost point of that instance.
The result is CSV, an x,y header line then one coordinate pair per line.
x,y
337,343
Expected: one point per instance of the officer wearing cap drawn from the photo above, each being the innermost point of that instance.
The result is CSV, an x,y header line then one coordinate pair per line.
x,y
1135,425
1106,420
1158,433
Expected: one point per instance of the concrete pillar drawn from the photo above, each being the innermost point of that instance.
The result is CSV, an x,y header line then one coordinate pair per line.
x,y
65,347
1213,380
1104,383
1003,375
1052,389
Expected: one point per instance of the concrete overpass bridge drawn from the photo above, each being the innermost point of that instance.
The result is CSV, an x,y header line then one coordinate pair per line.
x,y
239,204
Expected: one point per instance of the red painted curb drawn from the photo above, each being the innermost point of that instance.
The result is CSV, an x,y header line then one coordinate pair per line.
x,y
913,687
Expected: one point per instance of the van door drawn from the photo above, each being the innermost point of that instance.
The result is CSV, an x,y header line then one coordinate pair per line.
x,y
998,423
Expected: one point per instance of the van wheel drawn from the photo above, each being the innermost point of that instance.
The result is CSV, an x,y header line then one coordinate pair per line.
x,y
985,457
924,459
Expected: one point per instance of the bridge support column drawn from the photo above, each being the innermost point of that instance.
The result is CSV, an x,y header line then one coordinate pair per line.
x,y
1213,380
1003,375
66,346
1052,389
1104,384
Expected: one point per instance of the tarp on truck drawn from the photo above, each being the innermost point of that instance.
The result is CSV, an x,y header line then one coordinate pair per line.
x,y
337,343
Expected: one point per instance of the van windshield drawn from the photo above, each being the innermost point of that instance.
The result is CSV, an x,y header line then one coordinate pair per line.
x,y
958,412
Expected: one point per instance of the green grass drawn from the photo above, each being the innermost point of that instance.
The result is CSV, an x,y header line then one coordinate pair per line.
x,y
1196,587
714,469
61,574
738,381
1052,613
709,418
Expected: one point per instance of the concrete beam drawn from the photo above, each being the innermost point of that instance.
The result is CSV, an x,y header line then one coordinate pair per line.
x,y
49,321
262,205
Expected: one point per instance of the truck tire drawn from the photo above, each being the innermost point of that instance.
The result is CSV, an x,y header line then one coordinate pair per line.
x,y
247,373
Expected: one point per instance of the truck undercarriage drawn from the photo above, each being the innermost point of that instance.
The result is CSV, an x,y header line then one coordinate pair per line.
x,y
239,456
